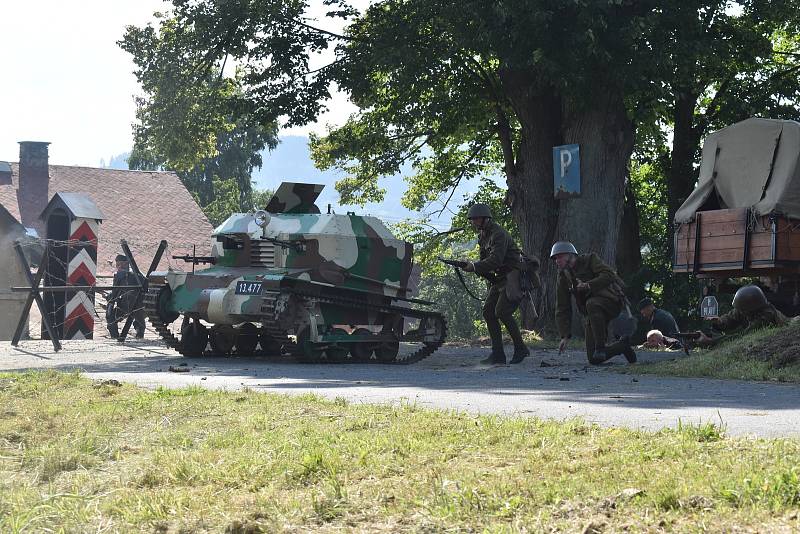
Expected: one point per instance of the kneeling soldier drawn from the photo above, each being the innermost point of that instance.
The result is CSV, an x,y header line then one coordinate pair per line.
x,y
598,294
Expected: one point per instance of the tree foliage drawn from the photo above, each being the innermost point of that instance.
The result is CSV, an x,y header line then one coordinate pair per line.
x,y
471,89
189,121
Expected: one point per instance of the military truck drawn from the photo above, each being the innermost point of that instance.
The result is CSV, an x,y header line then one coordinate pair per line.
x,y
743,217
325,287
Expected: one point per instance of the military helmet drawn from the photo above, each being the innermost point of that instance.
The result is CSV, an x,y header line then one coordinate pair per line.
x,y
562,247
121,257
749,299
479,210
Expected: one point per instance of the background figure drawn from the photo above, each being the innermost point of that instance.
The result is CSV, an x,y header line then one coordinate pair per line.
x,y
125,302
658,319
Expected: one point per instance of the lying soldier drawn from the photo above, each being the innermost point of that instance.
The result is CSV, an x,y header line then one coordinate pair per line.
x,y
751,311
657,340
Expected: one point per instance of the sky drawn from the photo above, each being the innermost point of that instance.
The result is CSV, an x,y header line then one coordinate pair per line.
x,y
63,79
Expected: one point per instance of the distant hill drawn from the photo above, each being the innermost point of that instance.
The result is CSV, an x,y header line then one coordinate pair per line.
x,y
120,161
291,161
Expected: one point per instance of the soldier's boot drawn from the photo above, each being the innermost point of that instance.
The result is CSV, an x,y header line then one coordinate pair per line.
x,y
113,330
622,346
520,350
629,353
498,355
599,356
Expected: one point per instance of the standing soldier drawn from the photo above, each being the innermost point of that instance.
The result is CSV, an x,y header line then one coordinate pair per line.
x,y
499,256
598,294
124,302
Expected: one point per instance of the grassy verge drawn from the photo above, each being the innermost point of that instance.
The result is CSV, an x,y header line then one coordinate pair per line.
x,y
769,355
77,457
534,340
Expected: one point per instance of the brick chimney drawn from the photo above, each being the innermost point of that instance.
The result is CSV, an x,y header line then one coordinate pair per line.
x,y
33,187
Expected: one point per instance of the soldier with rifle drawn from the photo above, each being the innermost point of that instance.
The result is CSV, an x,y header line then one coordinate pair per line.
x,y
501,264
598,294
751,311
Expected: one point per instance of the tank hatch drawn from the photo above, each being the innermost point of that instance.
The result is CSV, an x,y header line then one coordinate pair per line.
x,y
292,197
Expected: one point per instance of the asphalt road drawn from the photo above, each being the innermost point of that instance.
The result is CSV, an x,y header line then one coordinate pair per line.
x,y
452,378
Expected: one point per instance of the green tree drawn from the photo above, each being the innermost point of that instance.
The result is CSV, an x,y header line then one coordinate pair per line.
x,y
462,90
188,121
728,62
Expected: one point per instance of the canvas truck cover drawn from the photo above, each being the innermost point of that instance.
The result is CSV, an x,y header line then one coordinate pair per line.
x,y
751,164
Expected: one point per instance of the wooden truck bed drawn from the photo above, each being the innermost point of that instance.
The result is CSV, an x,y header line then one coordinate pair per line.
x,y
734,243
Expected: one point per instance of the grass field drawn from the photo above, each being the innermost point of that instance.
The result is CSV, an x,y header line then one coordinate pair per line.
x,y
769,355
78,456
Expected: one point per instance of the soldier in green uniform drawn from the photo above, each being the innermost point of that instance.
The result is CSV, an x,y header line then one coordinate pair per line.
x,y
598,294
499,256
751,311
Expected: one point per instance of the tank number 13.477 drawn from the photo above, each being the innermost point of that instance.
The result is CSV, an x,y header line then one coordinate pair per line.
x,y
244,287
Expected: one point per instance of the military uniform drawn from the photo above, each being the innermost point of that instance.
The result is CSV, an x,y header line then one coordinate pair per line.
x,y
499,256
747,322
601,303
124,302
663,321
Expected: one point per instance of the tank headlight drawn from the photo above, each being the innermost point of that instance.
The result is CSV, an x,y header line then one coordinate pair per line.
x,y
262,218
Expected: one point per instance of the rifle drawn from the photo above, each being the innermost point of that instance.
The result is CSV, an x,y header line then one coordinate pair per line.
x,y
195,259
689,339
458,264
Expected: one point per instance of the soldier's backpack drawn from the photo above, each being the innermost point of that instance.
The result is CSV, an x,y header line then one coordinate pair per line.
x,y
524,279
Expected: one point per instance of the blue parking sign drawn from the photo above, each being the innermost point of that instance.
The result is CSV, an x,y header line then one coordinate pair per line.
x,y
567,171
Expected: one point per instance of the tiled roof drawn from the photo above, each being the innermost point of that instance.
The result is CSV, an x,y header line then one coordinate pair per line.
x,y
8,198
142,207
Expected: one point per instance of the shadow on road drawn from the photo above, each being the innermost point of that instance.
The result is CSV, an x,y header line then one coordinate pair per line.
x,y
566,379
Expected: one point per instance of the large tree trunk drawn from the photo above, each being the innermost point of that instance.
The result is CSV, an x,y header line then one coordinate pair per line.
x,y
681,174
629,245
591,222
605,136
530,191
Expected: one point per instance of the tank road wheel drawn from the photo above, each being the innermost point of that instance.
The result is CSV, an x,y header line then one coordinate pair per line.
x,y
222,340
194,339
387,351
339,352
162,305
247,339
307,352
269,345
440,328
361,350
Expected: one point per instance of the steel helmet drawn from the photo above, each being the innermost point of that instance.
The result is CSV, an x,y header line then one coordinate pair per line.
x,y
749,299
562,247
479,210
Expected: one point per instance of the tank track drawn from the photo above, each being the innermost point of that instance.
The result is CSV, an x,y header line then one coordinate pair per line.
x,y
426,350
150,302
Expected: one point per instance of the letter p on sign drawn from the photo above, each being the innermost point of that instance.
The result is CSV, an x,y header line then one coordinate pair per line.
x,y
566,159
566,171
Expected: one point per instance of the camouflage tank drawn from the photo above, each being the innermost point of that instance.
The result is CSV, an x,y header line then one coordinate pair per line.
x,y
322,286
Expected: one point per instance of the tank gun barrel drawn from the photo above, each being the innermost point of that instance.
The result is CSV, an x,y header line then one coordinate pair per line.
x,y
196,260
